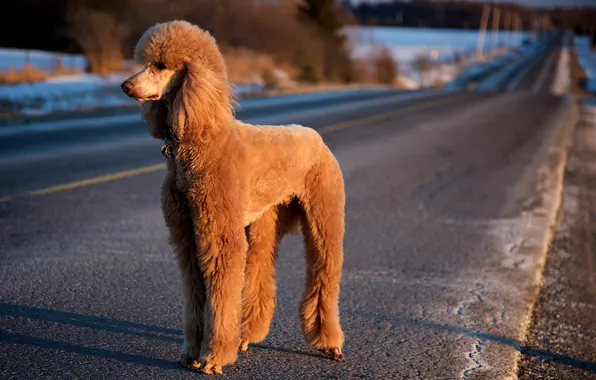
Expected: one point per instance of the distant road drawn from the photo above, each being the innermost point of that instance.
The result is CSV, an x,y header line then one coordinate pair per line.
x,y
448,197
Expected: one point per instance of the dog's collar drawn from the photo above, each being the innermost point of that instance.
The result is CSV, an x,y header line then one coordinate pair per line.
x,y
167,149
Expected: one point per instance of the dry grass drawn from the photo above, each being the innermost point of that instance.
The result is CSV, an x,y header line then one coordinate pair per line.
x,y
245,66
29,73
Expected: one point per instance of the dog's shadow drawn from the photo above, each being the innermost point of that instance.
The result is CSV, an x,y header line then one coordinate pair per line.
x,y
175,336
105,324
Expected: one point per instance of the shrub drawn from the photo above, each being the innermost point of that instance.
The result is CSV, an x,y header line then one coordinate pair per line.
x,y
385,66
100,35
309,74
423,64
271,80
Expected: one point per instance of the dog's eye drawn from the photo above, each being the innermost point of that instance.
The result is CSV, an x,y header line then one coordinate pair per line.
x,y
160,66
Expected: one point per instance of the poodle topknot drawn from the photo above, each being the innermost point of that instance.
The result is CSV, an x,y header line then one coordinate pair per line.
x,y
177,43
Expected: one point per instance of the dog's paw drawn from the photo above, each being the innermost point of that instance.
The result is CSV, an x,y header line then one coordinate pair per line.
x,y
186,361
333,354
243,345
211,369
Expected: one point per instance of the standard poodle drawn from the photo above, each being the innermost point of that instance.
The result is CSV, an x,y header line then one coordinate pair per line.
x,y
231,192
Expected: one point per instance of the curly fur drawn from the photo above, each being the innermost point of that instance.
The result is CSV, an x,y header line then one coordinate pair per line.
x,y
231,192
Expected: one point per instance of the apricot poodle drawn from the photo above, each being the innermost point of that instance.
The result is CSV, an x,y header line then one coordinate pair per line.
x,y
231,192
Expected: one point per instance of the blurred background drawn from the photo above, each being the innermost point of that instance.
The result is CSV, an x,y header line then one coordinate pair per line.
x,y
466,134
65,55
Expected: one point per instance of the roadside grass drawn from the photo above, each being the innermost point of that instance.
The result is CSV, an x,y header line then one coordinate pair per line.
x,y
29,73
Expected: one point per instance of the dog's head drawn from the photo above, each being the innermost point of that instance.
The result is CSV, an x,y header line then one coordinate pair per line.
x,y
181,65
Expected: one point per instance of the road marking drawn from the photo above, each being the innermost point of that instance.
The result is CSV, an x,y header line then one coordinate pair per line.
x,y
153,168
383,116
96,180
544,72
516,80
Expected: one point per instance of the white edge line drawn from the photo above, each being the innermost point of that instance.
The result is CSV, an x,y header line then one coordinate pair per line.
x,y
545,69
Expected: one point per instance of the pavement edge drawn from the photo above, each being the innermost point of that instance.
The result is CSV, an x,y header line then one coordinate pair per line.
x,y
546,224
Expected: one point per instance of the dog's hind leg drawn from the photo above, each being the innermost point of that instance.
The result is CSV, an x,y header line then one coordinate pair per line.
x,y
177,218
258,296
323,229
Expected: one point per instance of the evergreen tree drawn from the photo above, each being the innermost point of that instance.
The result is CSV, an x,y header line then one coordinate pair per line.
x,y
325,17
324,14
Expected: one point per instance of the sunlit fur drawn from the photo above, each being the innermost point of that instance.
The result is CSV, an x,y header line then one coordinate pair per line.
x,y
231,192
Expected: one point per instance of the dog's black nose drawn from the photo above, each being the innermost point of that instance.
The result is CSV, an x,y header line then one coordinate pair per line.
x,y
126,86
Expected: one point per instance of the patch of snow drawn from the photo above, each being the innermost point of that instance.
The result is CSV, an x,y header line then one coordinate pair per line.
x,y
12,58
65,93
407,43
248,88
587,60
562,81
16,58
70,92
408,83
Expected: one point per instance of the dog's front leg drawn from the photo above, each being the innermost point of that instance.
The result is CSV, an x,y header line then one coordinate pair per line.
x,y
222,247
182,238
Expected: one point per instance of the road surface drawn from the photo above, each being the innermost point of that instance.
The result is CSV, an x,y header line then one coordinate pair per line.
x,y
447,197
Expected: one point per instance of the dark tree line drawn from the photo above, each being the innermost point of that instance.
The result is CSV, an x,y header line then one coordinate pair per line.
x,y
306,33
464,14
48,24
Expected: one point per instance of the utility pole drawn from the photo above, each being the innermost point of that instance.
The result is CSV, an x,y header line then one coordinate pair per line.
x,y
507,29
545,24
518,29
482,32
495,37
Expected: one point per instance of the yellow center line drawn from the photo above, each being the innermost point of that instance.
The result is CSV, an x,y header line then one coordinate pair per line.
x,y
384,116
153,168
96,180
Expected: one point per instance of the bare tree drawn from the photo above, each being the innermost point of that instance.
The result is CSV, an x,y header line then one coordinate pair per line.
x,y
385,66
100,35
423,65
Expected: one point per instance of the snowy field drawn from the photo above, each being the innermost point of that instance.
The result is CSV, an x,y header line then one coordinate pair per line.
x,y
88,91
407,43
441,45
64,93
587,59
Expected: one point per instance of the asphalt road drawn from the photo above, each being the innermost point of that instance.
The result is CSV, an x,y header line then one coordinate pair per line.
x,y
435,285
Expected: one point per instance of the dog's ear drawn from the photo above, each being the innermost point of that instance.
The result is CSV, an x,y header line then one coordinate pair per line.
x,y
203,104
155,114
